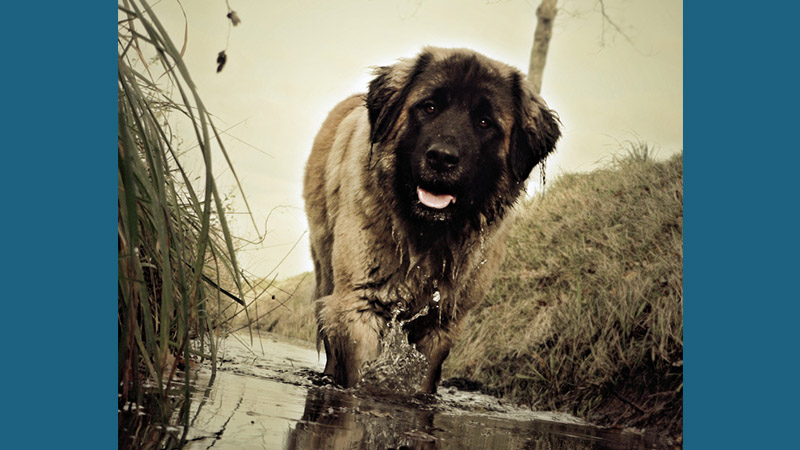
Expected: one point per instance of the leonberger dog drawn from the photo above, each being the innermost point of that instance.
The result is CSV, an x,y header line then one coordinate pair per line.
x,y
407,192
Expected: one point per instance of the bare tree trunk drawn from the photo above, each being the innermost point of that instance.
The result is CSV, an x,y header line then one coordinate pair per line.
x,y
546,15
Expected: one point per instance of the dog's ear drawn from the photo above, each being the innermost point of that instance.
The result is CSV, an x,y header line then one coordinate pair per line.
x,y
535,132
383,102
388,91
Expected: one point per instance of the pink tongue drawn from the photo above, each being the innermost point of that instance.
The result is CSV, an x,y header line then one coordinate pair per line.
x,y
434,201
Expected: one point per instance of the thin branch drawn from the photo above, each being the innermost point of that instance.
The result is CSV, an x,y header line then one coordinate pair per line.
x,y
607,19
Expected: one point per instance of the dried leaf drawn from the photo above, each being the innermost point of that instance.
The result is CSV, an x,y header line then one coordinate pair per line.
x,y
235,20
222,58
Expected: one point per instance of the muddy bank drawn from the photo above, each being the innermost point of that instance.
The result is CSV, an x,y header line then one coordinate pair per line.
x,y
270,395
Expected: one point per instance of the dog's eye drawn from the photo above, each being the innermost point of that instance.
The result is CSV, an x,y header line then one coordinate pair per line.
x,y
429,107
485,123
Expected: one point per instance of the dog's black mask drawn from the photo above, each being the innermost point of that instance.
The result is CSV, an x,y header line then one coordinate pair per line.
x,y
471,138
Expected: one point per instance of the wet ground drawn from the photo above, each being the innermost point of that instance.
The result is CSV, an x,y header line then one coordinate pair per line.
x,y
270,395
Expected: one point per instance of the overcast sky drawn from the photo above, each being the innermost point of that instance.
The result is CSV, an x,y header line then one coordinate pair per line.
x,y
290,62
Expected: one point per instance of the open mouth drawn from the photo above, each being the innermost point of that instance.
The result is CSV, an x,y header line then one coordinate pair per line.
x,y
435,201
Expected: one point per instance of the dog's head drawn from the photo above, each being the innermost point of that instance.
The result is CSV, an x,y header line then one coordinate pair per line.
x,y
465,132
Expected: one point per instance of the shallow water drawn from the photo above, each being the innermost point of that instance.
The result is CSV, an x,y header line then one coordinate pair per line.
x,y
270,395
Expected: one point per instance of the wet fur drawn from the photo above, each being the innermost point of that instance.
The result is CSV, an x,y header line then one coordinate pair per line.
x,y
375,247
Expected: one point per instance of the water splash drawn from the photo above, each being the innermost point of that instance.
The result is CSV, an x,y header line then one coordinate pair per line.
x,y
400,367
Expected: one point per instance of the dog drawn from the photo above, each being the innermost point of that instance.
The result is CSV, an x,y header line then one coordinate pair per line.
x,y
408,192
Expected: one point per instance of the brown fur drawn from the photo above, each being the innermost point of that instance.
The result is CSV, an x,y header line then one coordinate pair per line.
x,y
370,257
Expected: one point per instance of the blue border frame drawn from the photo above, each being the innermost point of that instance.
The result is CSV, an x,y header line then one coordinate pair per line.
x,y
59,225
740,234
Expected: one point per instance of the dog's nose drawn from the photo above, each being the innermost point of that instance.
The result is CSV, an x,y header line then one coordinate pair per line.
x,y
442,158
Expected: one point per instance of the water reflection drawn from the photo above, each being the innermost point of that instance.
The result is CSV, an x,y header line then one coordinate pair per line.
x,y
334,419
278,400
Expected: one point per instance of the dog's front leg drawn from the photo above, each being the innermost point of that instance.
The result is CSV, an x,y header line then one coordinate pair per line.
x,y
435,344
352,332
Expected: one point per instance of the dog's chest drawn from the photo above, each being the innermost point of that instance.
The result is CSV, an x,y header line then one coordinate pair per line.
x,y
412,282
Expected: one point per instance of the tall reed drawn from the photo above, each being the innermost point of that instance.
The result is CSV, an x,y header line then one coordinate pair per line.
x,y
175,248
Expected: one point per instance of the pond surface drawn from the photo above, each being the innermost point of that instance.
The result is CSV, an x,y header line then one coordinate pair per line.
x,y
270,395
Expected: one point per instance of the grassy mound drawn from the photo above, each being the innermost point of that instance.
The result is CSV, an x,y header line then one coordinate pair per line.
x,y
287,310
587,314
